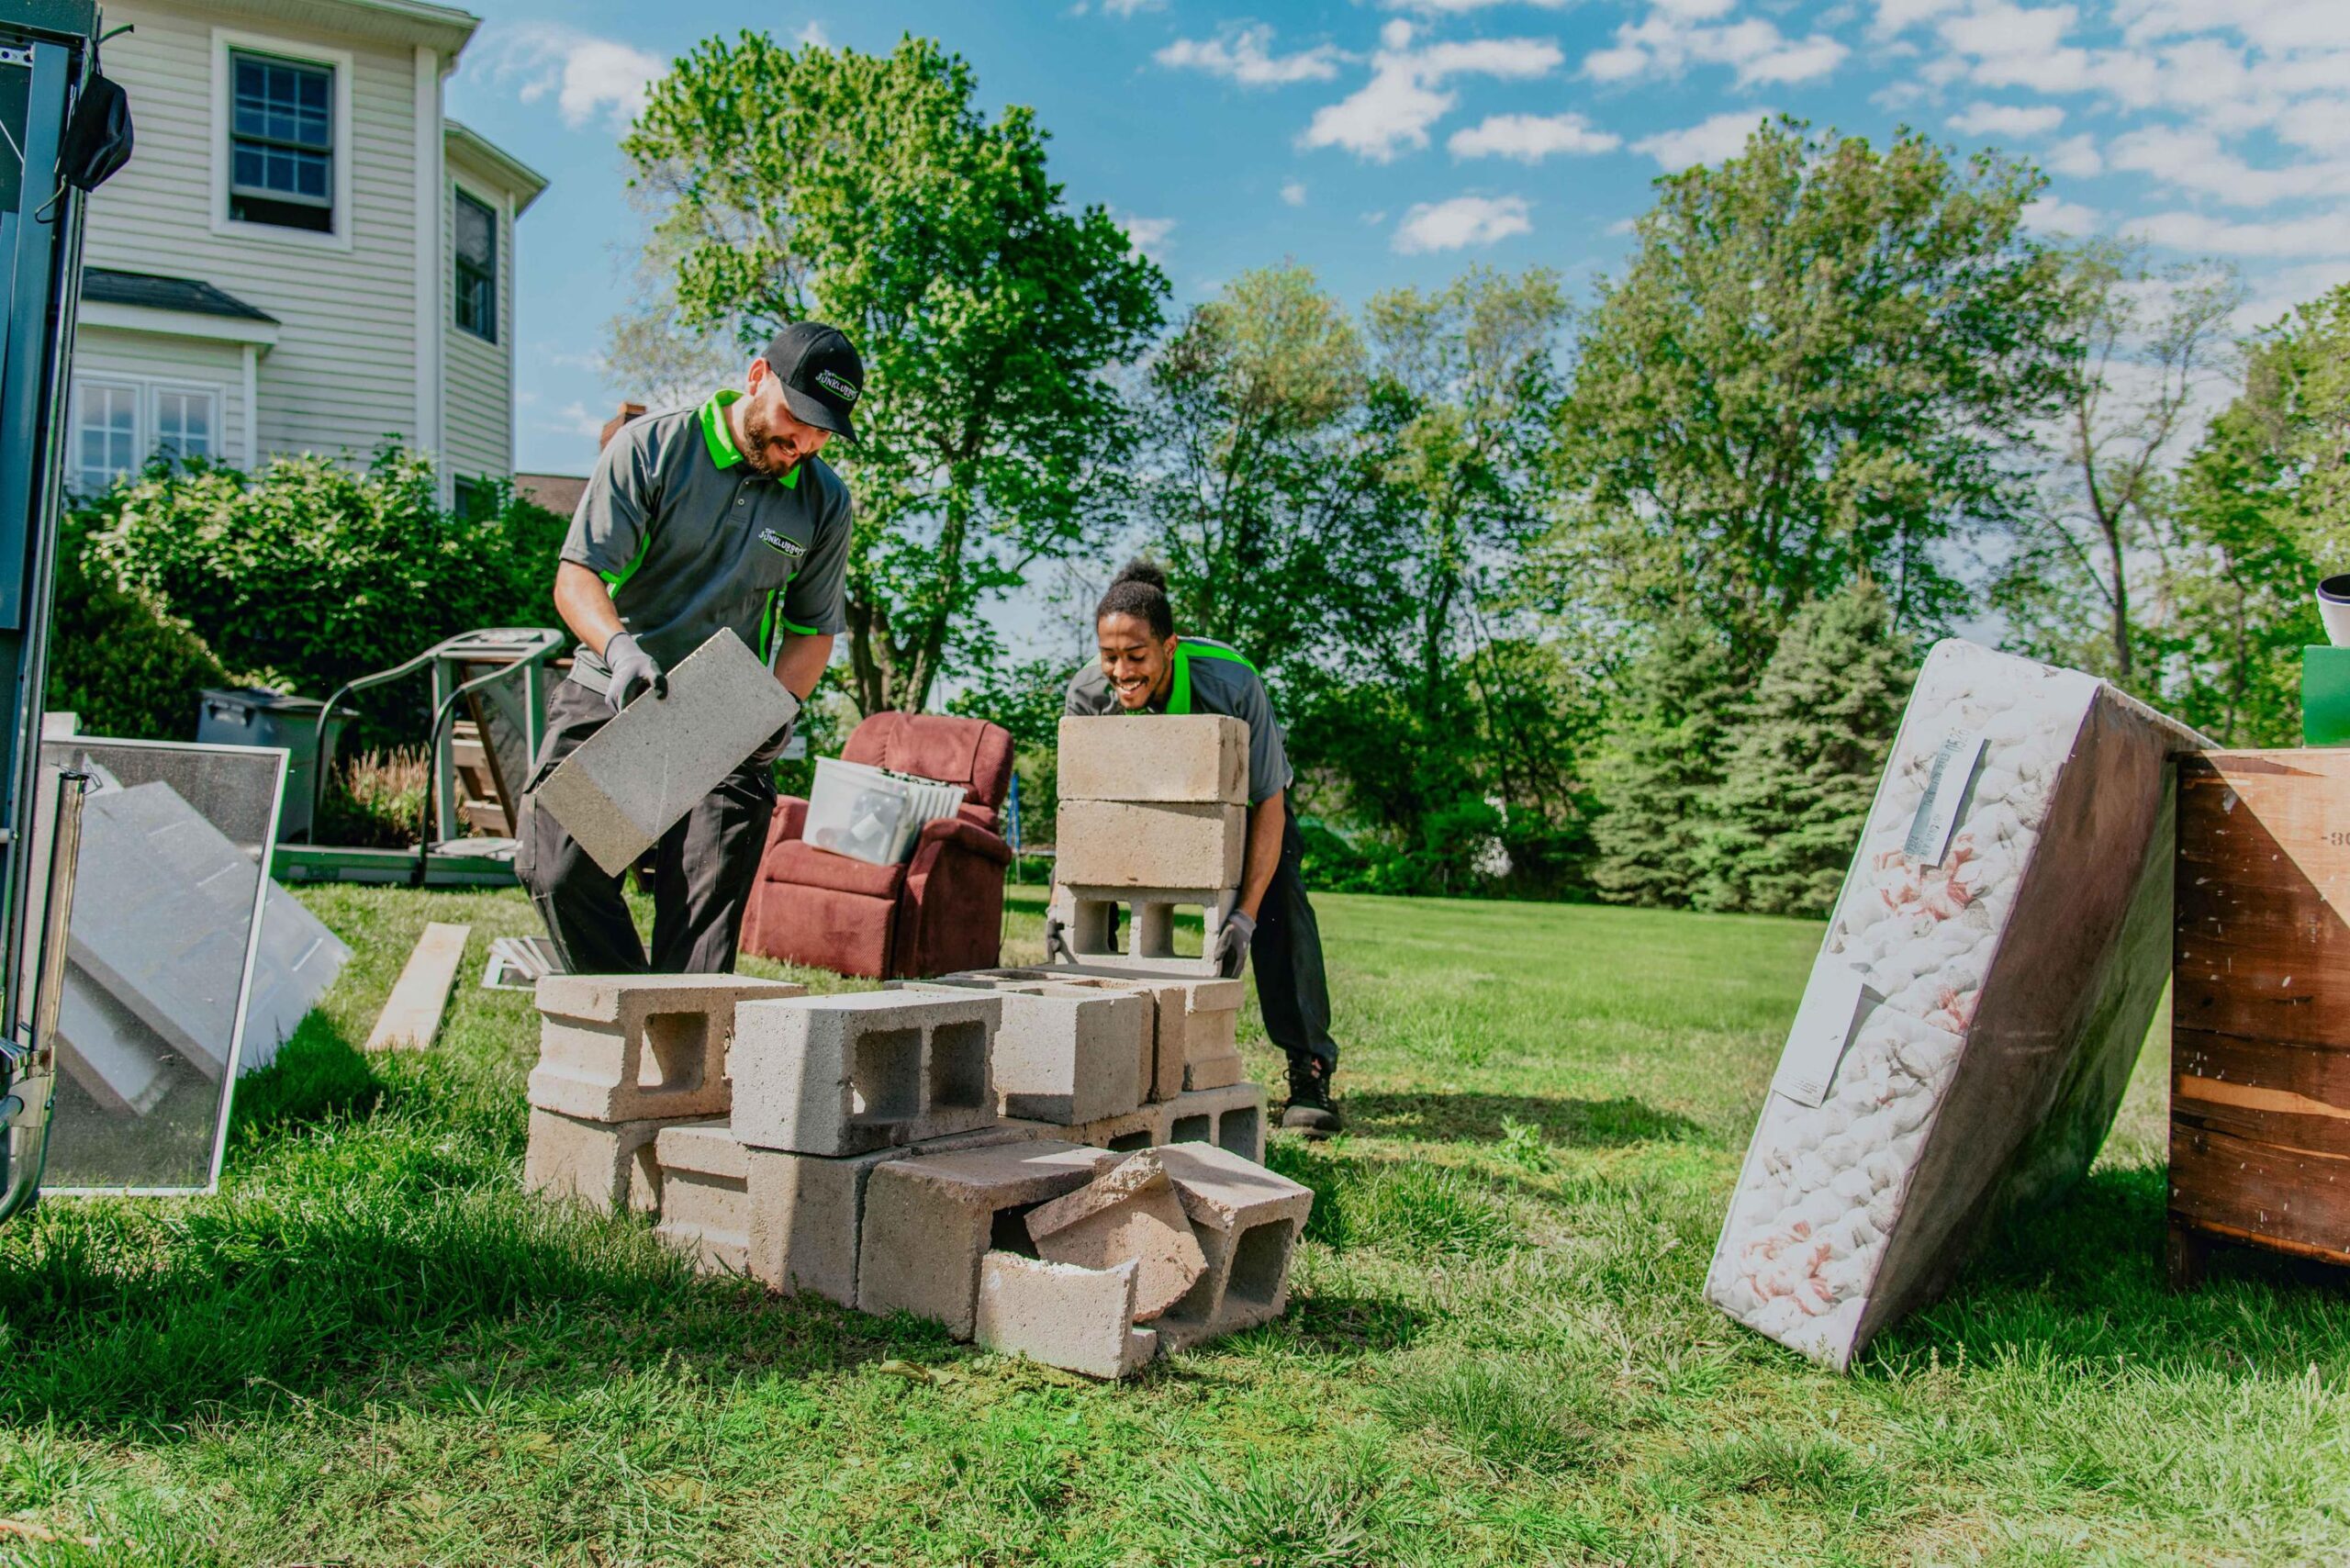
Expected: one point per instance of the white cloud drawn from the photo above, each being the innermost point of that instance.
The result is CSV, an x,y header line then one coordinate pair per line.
x,y
1625,226
2321,124
2195,161
1461,222
2273,25
814,34
577,419
2006,119
1149,234
1463,7
1129,7
2050,216
1708,142
2076,156
588,75
1392,111
1294,194
1247,56
1897,16
2324,235
1672,36
1531,138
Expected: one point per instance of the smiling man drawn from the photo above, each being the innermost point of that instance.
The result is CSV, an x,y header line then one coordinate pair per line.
x,y
696,519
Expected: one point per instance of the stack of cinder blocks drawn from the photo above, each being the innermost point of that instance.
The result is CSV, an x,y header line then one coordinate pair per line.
x,y
1154,818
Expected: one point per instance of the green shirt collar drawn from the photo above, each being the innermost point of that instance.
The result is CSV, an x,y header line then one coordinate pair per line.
x,y
719,436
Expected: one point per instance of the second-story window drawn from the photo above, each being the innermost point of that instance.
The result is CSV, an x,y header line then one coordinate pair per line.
x,y
476,248
281,143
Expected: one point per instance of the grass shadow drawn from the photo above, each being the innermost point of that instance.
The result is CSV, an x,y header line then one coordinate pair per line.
x,y
1456,1117
317,1073
1350,1324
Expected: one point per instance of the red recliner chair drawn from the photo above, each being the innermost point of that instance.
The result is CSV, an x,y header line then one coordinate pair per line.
x,y
941,912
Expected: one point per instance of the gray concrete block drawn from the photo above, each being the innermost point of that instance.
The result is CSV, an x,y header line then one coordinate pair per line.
x,y
1233,1118
1130,1214
1079,1319
1066,1054
625,1047
1247,1221
929,1220
1201,758
606,1165
705,1194
841,1075
1120,844
632,779
1142,944
1161,1071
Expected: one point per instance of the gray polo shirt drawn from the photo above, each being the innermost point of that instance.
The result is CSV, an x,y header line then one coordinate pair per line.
x,y
692,538
1212,685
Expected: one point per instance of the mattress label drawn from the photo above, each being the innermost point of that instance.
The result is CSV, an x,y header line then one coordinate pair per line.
x,y
1937,818
1832,1004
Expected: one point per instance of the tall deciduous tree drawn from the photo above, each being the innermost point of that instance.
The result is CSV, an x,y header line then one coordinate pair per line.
x,y
868,190
1814,366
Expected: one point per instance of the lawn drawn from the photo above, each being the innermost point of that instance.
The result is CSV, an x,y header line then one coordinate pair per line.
x,y
373,1348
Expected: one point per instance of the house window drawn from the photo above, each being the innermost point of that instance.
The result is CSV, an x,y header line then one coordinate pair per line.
x,y
187,422
105,434
476,247
473,499
281,143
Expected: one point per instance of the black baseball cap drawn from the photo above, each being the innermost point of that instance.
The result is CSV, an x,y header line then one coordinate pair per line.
x,y
822,375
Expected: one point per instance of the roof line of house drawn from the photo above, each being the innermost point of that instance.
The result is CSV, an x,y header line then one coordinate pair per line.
x,y
526,181
443,28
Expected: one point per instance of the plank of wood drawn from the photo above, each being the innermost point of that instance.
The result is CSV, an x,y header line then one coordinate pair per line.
x,y
411,1015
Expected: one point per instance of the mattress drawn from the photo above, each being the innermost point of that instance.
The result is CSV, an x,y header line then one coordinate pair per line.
x,y
1992,964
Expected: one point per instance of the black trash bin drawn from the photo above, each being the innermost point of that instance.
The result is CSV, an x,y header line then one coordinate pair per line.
x,y
251,715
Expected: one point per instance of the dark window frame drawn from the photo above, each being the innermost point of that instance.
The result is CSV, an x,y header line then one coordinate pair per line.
x,y
278,205
474,284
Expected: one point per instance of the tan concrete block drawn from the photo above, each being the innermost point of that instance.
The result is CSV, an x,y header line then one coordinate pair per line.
x,y
1119,844
1161,1070
1145,1127
1065,1054
1129,1215
929,1220
628,1048
1247,1220
1079,1319
843,1075
1141,945
1196,757
1232,1118
705,1195
632,779
606,1165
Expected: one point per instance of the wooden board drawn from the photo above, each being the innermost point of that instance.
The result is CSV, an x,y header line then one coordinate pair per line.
x,y
411,1015
2260,1047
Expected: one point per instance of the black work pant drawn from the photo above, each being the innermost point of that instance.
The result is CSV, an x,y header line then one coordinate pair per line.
x,y
1293,992
704,867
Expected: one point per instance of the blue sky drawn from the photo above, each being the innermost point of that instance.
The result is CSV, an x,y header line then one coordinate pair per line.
x,y
1394,141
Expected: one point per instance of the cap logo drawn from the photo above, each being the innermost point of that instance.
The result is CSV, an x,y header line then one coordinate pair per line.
x,y
837,385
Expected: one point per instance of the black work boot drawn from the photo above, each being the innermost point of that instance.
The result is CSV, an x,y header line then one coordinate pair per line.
x,y
1310,1110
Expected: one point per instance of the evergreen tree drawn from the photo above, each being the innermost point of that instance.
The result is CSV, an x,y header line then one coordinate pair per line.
x,y
1660,767
1803,766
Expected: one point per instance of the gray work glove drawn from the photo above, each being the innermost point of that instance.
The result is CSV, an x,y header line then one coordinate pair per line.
x,y
1232,947
634,672
1057,947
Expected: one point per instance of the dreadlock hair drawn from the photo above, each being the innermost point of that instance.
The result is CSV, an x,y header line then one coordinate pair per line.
x,y
1140,590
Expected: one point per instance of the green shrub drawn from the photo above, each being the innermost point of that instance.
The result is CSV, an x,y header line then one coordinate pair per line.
x,y
117,656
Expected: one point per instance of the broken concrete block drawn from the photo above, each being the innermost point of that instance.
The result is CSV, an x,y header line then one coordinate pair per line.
x,y
929,1220
1130,1214
1987,979
1232,1118
606,1165
1118,844
807,1210
1079,1319
632,779
1143,944
1247,1221
624,1047
705,1194
1145,1127
841,1075
1199,758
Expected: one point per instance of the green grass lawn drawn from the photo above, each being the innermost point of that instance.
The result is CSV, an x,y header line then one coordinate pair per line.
x,y
373,1348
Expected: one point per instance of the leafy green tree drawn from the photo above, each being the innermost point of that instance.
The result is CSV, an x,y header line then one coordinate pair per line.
x,y
1025,698
869,191
1815,365
1660,764
1804,761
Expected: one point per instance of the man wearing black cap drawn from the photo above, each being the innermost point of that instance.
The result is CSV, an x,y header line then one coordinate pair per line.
x,y
696,519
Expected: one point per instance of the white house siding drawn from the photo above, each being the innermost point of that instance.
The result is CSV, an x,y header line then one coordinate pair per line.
x,y
342,375
479,416
150,360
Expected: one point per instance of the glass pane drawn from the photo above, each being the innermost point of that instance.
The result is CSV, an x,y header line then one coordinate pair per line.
x,y
282,101
167,896
476,233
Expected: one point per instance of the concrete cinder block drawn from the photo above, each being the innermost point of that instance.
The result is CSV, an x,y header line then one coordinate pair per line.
x,y
1079,1319
1247,1220
1122,844
928,1221
841,1075
1066,1054
705,1194
1211,1035
625,1047
806,1209
1128,1215
1161,1069
1232,1118
1142,944
606,1165
632,779
1199,758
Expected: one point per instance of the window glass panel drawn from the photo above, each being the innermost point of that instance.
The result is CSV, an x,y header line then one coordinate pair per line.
x,y
185,422
476,226
105,434
281,164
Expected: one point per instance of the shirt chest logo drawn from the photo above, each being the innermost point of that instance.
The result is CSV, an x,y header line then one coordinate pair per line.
x,y
777,542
